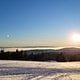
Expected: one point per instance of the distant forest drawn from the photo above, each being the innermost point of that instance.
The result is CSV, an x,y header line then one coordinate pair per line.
x,y
39,55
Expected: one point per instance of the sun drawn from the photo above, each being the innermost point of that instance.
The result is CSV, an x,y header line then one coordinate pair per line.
x,y
76,37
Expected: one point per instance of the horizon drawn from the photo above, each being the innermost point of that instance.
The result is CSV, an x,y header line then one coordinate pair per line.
x,y
38,46
26,48
39,23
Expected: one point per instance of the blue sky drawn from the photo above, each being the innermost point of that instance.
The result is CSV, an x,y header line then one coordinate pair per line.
x,y
38,22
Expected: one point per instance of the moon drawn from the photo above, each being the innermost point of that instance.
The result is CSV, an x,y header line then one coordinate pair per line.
x,y
7,35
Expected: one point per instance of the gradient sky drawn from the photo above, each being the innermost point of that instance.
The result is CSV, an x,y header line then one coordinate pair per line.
x,y
38,22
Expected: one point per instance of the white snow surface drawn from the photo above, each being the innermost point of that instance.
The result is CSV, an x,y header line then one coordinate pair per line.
x,y
30,70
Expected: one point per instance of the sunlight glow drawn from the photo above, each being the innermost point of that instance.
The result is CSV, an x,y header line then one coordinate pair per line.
x,y
76,37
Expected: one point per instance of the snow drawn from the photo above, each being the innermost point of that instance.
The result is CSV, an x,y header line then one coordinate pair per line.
x,y
29,70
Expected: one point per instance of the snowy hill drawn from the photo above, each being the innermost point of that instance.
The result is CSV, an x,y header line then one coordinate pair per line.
x,y
70,50
28,70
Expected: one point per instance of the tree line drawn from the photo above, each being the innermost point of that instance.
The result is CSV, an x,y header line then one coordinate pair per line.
x,y
46,56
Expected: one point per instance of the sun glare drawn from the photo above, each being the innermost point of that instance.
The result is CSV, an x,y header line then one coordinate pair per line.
x,y
76,37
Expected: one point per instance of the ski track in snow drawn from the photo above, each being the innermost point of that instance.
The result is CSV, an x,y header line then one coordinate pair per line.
x,y
29,70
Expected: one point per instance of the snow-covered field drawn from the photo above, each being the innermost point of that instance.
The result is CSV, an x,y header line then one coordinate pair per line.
x,y
28,70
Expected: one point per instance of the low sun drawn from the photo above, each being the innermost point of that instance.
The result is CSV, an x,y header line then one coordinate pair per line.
x,y
76,37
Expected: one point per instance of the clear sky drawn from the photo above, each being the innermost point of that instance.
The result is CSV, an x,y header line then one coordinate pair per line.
x,y
38,22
